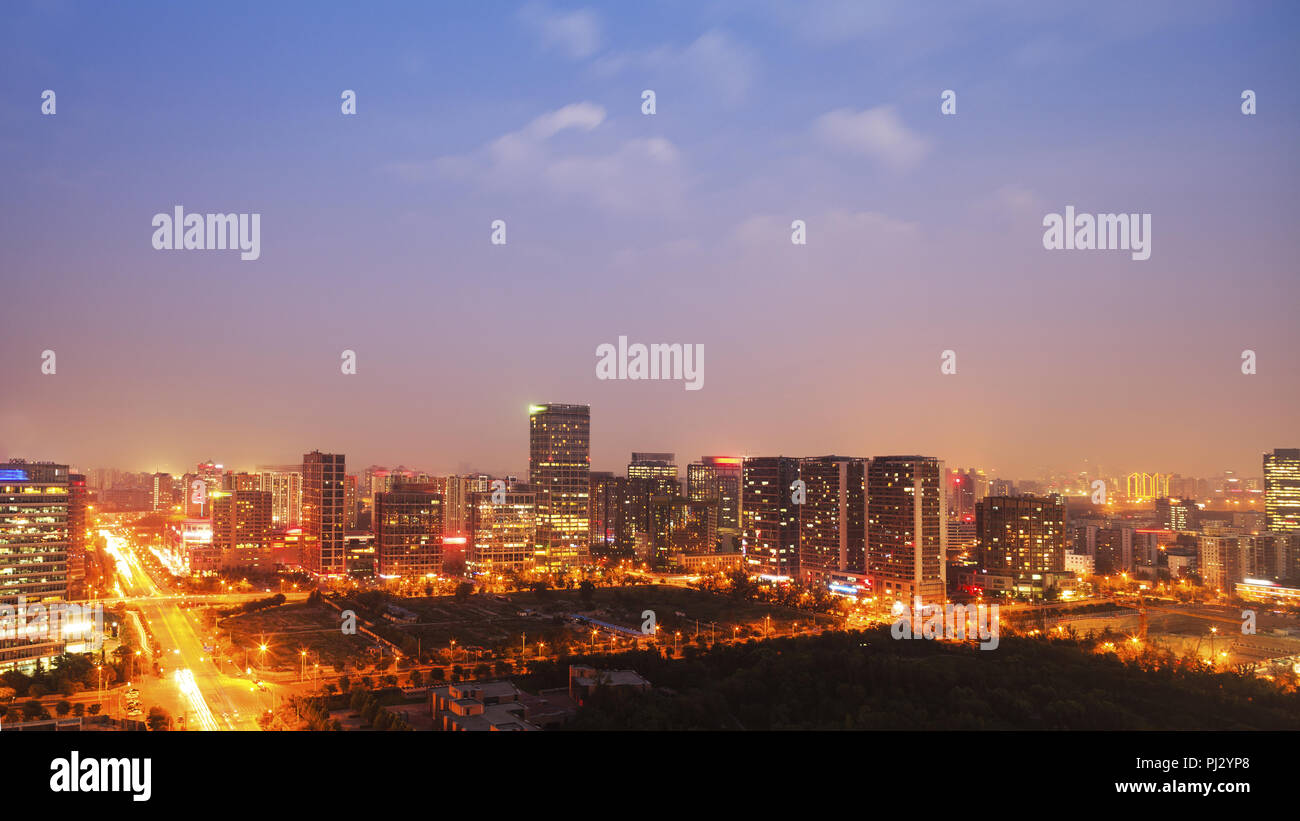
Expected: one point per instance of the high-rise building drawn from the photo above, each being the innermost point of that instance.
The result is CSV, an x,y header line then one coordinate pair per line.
x,y
718,477
907,541
559,467
163,488
408,526
654,466
34,541
459,490
1021,535
33,531
323,522
1219,561
1282,489
832,519
682,526
241,529
284,483
351,501
503,536
77,535
770,533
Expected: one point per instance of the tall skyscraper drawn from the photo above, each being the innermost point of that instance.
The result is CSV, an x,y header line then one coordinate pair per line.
x,y
832,519
907,541
323,522
1021,535
559,467
770,534
408,526
1282,489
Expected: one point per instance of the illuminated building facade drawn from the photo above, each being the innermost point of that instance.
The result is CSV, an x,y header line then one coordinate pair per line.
x,y
458,493
1282,489
1021,535
832,519
907,541
34,533
718,477
285,486
559,467
323,522
1146,486
241,529
770,532
682,526
77,535
408,526
503,537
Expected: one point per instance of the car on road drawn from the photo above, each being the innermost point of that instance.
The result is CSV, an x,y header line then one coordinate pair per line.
x,y
261,685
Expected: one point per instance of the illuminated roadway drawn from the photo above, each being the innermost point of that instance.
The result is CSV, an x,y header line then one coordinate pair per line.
x,y
191,684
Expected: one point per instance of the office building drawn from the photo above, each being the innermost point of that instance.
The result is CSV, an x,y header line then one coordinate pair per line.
x,y
770,532
1021,535
323,521
559,466
408,526
832,519
1282,489
907,541
503,536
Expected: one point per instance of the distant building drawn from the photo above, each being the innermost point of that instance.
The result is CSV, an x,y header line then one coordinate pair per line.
x,y
1282,489
720,478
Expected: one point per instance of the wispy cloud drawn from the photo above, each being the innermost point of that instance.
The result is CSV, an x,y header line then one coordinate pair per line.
x,y
715,60
575,34
628,175
877,133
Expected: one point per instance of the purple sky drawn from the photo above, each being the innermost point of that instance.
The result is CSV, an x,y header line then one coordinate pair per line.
x,y
924,232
